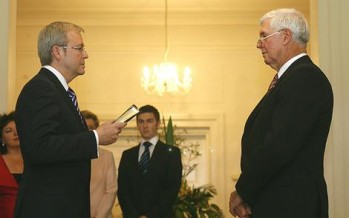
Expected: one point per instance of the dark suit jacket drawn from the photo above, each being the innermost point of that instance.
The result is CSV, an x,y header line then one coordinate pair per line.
x,y
283,146
57,149
155,193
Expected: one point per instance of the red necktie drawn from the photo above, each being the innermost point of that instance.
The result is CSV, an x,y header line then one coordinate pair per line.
x,y
273,82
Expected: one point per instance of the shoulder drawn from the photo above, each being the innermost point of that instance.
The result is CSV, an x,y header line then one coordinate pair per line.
x,y
304,67
42,83
303,74
128,156
167,147
131,150
43,76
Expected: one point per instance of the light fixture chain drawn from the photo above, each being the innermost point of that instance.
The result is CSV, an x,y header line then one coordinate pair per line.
x,y
164,78
166,32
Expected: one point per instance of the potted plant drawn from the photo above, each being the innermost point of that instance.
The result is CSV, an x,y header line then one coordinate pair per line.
x,y
192,202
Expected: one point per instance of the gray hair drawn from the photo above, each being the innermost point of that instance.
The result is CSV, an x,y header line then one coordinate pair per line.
x,y
51,35
289,18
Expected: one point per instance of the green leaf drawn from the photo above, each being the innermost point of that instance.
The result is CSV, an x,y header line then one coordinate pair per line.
x,y
169,133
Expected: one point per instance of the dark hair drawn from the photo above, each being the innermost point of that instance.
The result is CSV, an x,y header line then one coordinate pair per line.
x,y
4,120
89,115
149,109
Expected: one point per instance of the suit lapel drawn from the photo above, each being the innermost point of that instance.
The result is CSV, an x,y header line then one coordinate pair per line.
x,y
154,159
135,162
254,113
61,90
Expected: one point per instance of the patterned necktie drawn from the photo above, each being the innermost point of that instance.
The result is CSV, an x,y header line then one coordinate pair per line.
x,y
145,158
72,95
273,82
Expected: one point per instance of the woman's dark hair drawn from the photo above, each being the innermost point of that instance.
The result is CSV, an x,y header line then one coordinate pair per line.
x,y
4,120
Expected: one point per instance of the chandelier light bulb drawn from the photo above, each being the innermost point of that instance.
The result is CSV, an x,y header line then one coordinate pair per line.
x,y
164,78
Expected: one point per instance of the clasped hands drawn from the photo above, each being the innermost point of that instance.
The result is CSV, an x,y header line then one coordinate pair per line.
x,y
238,207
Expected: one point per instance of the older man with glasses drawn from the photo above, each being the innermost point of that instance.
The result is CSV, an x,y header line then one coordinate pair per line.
x,y
284,139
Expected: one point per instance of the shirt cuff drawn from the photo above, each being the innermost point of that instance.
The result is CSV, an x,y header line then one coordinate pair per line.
x,y
97,140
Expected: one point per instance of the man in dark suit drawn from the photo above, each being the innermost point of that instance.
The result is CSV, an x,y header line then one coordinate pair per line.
x,y
56,144
151,191
284,138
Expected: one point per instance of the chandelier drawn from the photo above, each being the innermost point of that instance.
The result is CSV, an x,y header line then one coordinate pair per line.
x,y
164,78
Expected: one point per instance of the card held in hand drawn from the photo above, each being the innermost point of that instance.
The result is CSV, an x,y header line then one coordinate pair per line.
x,y
128,114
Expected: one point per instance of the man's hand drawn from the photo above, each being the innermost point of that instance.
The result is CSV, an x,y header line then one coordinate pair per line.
x,y
237,207
243,210
108,132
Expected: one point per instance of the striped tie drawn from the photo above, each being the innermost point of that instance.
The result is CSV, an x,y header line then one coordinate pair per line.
x,y
72,95
145,158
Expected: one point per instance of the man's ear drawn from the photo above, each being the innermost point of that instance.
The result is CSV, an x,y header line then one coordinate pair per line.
x,y
287,36
57,52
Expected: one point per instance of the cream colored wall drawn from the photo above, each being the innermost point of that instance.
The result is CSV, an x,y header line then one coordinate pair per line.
x,y
7,55
4,22
216,38
333,49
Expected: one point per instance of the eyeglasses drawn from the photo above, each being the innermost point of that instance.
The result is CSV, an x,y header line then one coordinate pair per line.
x,y
260,40
78,48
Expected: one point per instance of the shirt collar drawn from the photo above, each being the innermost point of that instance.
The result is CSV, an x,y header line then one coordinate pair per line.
x,y
58,75
153,140
288,64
